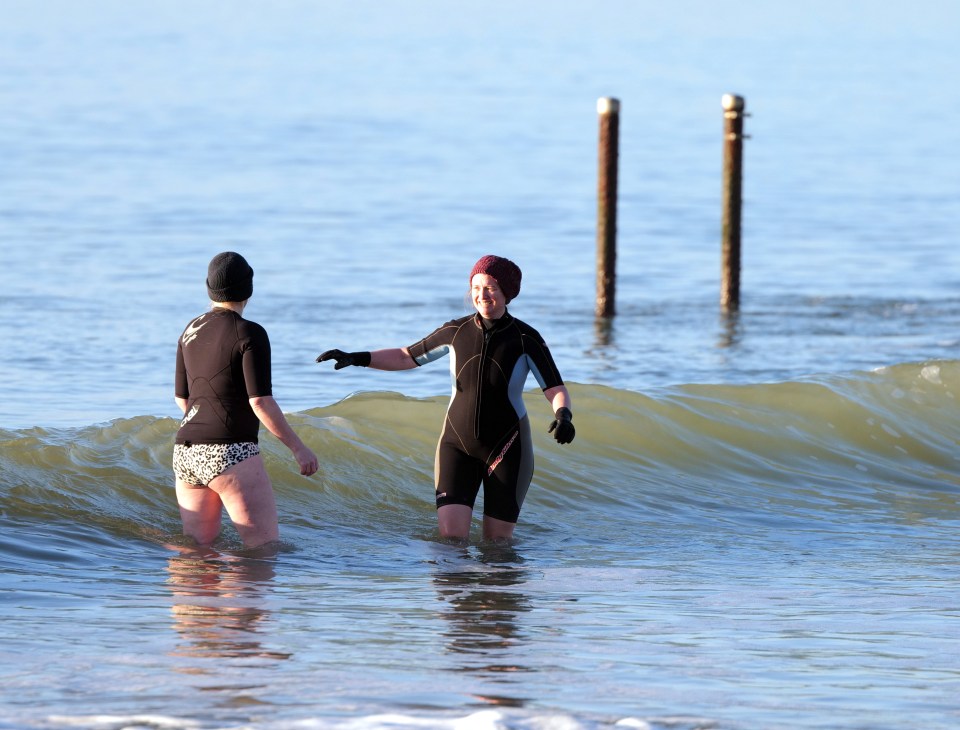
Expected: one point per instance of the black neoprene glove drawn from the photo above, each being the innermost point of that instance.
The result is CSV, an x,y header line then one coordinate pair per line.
x,y
562,426
360,359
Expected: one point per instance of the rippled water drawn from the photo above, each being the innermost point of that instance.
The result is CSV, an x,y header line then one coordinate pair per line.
x,y
756,526
777,555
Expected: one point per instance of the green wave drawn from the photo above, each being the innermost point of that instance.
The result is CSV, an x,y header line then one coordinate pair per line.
x,y
853,449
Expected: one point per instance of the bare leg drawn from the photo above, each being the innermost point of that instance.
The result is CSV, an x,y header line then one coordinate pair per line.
x,y
454,521
248,497
200,509
497,530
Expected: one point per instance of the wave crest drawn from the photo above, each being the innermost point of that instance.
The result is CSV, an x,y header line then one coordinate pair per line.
x,y
871,446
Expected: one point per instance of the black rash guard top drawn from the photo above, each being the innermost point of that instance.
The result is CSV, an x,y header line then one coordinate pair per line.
x,y
488,367
223,360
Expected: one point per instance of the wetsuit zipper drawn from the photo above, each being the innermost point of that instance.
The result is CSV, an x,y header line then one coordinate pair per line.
x,y
483,360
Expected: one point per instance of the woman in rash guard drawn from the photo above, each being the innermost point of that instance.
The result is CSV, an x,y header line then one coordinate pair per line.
x,y
223,387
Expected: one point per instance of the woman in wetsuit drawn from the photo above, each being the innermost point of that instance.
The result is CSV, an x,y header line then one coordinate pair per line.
x,y
486,434
224,390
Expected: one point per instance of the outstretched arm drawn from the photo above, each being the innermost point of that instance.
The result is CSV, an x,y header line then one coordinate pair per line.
x,y
394,358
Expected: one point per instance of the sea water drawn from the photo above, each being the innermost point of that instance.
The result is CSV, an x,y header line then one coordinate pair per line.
x,y
756,526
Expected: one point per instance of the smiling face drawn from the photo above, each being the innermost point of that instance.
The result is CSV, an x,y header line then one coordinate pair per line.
x,y
487,296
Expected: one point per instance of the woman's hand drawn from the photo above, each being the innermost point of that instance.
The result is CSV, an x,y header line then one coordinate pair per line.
x,y
562,426
345,359
307,460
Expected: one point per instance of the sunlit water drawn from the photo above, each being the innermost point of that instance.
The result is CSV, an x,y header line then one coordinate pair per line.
x,y
756,526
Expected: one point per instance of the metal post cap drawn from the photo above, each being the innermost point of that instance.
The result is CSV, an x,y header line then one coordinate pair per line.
x,y
608,105
732,102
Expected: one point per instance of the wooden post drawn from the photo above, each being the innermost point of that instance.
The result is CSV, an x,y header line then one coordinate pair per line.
x,y
733,115
609,111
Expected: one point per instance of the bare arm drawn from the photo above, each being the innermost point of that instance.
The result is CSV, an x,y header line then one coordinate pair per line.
x,y
396,358
270,415
562,426
559,397
181,404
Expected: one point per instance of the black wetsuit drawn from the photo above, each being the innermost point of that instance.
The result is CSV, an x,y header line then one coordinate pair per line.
x,y
223,360
486,433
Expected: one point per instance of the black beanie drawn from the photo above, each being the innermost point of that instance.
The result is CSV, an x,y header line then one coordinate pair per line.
x,y
229,278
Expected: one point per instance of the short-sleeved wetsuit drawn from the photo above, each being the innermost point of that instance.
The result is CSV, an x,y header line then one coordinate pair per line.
x,y
223,360
486,434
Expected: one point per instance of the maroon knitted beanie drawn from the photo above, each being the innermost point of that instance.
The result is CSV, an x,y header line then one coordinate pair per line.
x,y
503,270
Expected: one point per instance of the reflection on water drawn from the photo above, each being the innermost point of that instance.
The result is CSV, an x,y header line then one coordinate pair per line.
x,y
603,333
483,605
603,354
730,329
220,604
